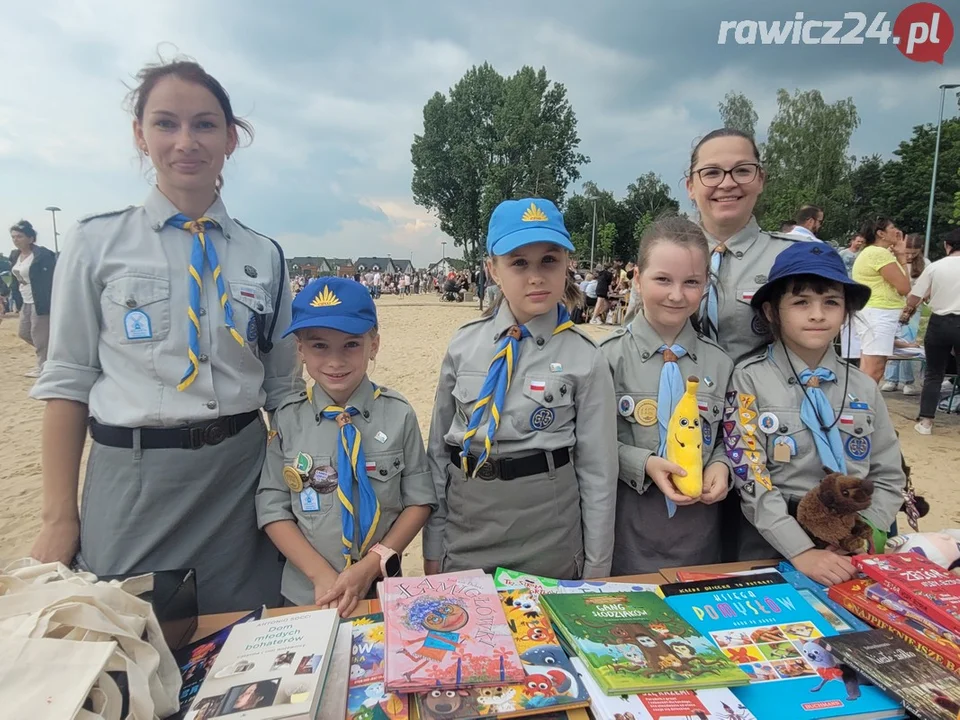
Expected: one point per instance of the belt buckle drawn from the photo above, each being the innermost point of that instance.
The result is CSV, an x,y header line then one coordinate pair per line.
x,y
214,433
489,470
196,438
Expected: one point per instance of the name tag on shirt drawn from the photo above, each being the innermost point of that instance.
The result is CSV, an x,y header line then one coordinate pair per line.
x,y
136,324
309,500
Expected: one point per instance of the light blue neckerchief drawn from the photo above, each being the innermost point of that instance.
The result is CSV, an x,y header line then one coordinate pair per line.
x,y
815,403
710,305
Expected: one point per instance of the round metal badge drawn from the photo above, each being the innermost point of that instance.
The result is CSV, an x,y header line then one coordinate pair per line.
x,y
645,413
293,479
625,406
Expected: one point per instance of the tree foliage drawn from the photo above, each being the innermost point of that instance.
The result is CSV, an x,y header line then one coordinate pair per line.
x,y
494,138
736,111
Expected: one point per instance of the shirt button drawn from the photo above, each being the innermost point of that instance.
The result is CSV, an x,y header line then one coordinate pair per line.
x,y
212,404
226,235
203,311
540,341
645,355
203,358
859,431
260,307
396,463
548,397
158,226
693,357
383,471
366,414
784,429
738,254
131,302
633,483
791,381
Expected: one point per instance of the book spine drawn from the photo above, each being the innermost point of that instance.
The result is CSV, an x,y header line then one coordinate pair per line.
x,y
904,590
899,606
905,633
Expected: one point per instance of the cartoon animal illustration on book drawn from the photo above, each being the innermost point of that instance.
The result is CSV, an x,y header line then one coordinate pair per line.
x,y
549,660
544,685
448,703
440,618
522,605
540,634
817,653
499,699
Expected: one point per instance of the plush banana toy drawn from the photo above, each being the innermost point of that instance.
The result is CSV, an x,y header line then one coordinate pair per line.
x,y
684,441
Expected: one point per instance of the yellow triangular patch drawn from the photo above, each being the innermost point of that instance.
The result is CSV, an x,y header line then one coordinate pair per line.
x,y
534,214
325,299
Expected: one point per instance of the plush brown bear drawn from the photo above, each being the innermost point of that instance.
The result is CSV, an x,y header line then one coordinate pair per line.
x,y
829,512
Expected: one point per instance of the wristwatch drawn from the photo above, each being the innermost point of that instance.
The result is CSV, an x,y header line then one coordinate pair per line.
x,y
389,560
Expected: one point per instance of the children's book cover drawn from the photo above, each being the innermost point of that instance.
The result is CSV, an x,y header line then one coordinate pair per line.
x,y
920,582
763,624
852,595
713,704
446,631
889,599
505,579
927,690
374,702
368,699
550,684
634,642
816,594
195,659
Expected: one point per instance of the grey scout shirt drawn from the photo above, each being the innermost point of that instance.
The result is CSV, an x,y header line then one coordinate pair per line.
x,y
743,269
564,373
763,409
131,261
396,466
636,365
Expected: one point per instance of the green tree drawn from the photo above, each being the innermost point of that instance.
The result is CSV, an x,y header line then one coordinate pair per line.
x,y
641,226
606,235
493,139
736,111
806,160
866,186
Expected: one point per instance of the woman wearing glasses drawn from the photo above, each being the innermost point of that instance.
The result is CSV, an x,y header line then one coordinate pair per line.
x,y
724,182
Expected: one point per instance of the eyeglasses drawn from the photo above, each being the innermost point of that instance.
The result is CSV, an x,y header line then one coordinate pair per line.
x,y
741,174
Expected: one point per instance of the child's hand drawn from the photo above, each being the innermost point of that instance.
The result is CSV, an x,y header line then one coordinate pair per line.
x,y
431,567
659,469
351,585
323,579
716,483
825,567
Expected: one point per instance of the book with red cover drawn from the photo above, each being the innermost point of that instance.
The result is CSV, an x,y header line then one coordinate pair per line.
x,y
446,631
852,596
920,582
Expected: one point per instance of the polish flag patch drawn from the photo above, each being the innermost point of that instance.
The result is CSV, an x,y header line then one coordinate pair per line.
x,y
846,419
748,294
538,385
703,407
248,294
371,466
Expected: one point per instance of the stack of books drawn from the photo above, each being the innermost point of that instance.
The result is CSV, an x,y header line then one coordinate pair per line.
x,y
368,697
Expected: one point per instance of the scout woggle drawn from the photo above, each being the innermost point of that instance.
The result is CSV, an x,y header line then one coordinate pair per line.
x,y
684,441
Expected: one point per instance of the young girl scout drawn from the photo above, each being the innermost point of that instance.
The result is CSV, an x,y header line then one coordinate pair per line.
x,y
161,335
523,437
650,360
796,412
346,485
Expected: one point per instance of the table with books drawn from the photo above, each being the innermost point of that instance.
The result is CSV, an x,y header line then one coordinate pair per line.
x,y
740,641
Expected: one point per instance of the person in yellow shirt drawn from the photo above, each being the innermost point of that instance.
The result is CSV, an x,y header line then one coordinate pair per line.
x,y
877,267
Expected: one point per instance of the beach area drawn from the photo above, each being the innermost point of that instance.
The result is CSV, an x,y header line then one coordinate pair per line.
x,y
415,331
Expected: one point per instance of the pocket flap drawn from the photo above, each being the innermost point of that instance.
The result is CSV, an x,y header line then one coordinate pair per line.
x,y
384,466
856,423
467,388
252,295
133,291
548,392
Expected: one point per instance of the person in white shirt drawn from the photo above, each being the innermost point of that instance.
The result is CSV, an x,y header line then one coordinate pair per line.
x,y
377,284
809,222
939,281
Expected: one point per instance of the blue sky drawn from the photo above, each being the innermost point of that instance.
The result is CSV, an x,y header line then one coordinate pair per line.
x,y
335,92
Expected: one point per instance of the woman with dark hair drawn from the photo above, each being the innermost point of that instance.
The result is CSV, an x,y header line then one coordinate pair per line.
x,y
724,181
939,281
33,276
876,267
162,343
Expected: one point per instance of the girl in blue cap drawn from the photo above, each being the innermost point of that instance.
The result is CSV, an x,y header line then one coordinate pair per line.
x,y
796,412
346,485
523,443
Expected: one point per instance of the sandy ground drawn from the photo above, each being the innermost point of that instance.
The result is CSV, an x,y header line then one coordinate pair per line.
x,y
415,332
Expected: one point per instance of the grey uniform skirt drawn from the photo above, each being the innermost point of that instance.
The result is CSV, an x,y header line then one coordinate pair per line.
x,y
146,510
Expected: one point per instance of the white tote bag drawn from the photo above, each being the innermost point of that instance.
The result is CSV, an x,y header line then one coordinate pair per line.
x,y
54,621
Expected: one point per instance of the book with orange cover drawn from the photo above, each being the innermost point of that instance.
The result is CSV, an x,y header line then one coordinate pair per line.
x,y
446,631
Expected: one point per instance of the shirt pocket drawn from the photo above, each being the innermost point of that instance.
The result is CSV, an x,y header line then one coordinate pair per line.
x,y
550,405
466,390
136,309
789,430
385,470
312,520
856,431
252,302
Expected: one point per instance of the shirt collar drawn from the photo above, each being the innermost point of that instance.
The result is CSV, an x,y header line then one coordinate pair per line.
x,y
159,210
803,232
782,357
648,341
362,398
540,327
740,241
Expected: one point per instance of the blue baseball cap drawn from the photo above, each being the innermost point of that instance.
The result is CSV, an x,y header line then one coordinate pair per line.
x,y
336,303
516,223
817,259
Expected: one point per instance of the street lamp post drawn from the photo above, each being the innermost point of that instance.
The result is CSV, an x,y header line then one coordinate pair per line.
x,y
443,249
936,156
53,210
593,233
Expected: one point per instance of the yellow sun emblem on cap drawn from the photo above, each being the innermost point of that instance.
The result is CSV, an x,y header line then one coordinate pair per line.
x,y
534,214
325,299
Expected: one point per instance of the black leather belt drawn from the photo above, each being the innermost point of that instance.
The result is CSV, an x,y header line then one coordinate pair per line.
x,y
513,468
190,437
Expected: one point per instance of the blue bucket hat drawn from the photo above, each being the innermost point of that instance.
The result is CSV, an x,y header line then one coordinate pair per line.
x,y
817,259
516,223
335,303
